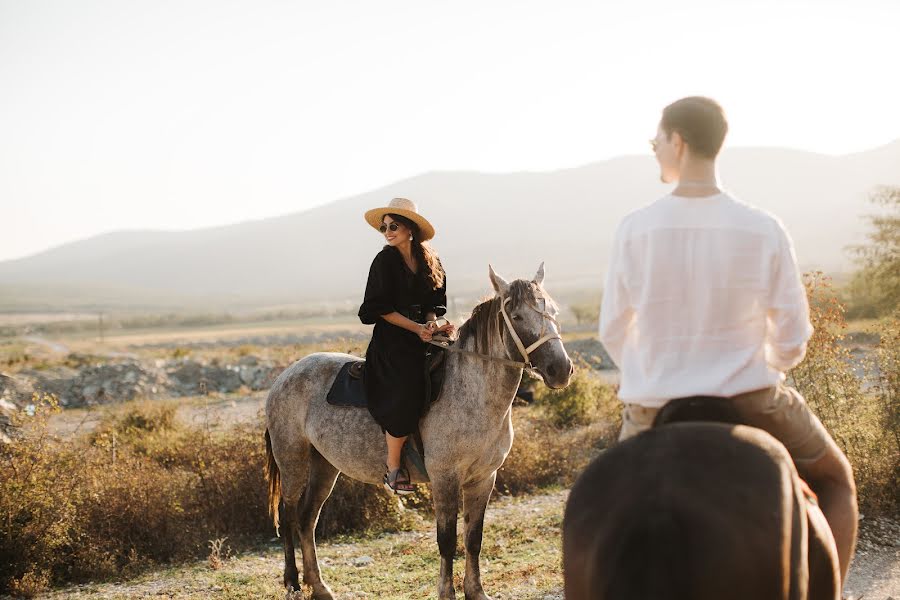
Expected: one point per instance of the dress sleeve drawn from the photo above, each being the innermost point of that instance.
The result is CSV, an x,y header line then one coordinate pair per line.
x,y
437,299
378,299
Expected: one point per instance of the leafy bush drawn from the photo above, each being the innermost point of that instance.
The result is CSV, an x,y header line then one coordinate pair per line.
x,y
859,415
875,288
586,399
545,455
144,489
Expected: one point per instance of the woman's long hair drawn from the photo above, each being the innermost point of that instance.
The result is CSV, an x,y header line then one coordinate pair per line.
x,y
429,264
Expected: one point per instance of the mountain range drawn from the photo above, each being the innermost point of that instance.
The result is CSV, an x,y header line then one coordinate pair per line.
x,y
512,220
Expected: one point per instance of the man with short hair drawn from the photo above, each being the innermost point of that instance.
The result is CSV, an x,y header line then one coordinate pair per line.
x,y
703,297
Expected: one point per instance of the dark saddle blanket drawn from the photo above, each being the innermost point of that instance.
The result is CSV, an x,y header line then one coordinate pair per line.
x,y
349,387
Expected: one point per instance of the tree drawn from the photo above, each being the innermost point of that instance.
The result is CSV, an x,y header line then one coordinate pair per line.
x,y
875,288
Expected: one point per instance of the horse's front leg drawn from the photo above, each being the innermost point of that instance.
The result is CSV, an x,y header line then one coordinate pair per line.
x,y
475,499
445,491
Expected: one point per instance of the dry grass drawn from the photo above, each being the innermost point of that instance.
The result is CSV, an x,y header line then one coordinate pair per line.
x,y
144,489
520,559
141,490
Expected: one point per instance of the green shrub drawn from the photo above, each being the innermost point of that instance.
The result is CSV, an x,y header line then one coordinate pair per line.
x,y
143,489
887,372
858,415
586,399
546,455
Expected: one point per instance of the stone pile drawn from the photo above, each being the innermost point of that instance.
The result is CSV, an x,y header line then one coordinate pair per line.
x,y
591,351
99,383
121,380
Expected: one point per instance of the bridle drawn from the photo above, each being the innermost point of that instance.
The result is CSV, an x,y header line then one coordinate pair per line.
x,y
545,336
542,337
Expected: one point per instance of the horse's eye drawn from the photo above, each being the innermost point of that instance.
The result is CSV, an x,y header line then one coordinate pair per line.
x,y
517,317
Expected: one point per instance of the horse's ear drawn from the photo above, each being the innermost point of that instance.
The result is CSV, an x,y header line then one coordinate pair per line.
x,y
501,286
539,276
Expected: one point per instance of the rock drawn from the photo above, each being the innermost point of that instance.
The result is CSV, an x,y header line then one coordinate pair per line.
x,y
16,390
7,429
259,376
591,351
191,377
98,383
362,561
90,393
124,378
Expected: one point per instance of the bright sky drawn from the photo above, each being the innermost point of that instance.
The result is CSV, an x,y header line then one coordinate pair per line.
x,y
174,114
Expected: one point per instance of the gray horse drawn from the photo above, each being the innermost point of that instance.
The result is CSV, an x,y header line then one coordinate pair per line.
x,y
467,433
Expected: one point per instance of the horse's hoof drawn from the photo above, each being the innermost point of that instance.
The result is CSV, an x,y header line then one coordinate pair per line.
x,y
473,590
293,594
322,592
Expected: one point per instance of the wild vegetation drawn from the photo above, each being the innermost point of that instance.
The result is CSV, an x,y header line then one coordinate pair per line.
x,y
874,290
145,488
857,397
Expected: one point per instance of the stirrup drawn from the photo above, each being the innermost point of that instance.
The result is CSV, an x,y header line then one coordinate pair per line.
x,y
401,488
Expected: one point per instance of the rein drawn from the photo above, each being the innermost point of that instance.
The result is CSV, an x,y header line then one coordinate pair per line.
x,y
444,342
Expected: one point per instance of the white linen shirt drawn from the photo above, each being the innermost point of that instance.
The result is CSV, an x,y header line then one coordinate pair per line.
x,y
703,297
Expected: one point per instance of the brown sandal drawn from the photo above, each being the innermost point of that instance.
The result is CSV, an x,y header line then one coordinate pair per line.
x,y
397,481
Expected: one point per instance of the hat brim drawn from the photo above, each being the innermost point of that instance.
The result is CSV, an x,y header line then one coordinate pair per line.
x,y
375,216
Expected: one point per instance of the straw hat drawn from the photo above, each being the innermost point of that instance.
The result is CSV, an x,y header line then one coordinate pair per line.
x,y
404,208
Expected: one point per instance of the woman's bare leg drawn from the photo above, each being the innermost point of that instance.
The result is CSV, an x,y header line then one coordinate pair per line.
x,y
395,445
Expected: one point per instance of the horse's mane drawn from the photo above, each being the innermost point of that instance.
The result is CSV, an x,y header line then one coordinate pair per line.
x,y
478,326
482,324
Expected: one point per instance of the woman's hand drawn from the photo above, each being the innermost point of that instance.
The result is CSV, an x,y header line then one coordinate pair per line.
x,y
424,333
447,328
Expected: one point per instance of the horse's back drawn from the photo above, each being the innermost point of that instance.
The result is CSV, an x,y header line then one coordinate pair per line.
x,y
690,510
348,437
299,385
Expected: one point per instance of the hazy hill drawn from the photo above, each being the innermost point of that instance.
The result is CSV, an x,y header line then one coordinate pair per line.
x,y
513,220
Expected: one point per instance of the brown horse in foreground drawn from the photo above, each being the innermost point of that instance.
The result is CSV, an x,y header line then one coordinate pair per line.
x,y
696,511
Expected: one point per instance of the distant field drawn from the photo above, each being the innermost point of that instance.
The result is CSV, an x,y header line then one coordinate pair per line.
x,y
22,318
122,339
219,332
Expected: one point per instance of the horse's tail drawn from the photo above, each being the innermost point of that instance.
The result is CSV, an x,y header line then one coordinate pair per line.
x,y
273,477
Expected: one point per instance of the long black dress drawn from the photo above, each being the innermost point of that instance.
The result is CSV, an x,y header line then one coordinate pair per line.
x,y
395,358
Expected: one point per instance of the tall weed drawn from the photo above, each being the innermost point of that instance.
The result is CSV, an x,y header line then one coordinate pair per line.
x,y
860,416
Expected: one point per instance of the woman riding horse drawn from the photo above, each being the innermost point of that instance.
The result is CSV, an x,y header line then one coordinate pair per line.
x,y
405,294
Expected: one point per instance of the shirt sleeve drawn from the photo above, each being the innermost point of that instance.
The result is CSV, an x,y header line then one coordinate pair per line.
x,y
616,312
378,299
787,317
437,299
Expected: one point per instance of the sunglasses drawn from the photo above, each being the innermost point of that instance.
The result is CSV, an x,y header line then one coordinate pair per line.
x,y
394,226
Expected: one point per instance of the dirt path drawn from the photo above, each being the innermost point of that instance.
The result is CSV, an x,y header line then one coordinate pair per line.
x,y
521,560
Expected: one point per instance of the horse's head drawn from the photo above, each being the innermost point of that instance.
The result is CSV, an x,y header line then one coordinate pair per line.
x,y
529,328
